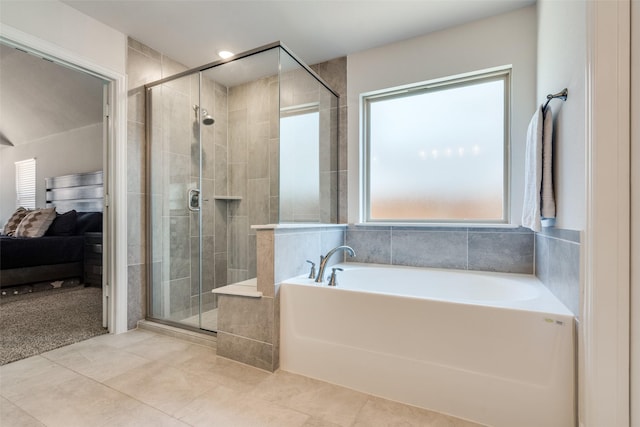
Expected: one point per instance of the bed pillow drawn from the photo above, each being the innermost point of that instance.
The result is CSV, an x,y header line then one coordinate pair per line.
x,y
88,221
64,224
36,223
13,222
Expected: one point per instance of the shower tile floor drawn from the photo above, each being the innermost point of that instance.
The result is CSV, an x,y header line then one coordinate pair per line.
x,y
209,320
141,378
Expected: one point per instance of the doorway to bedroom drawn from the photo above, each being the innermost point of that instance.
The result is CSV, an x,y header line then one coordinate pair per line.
x,y
53,145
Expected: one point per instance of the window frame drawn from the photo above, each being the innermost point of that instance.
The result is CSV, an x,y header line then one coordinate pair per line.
x,y
498,73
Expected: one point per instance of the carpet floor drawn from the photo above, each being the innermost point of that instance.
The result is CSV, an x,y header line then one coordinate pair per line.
x,y
31,324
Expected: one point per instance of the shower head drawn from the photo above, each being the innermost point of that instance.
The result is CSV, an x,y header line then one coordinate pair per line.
x,y
206,117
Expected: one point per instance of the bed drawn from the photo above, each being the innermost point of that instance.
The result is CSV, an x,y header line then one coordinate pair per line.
x,y
59,254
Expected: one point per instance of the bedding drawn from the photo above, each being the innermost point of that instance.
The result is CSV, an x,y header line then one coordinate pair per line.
x,y
64,224
18,252
59,254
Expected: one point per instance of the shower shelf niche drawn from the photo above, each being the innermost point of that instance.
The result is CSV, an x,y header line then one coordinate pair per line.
x,y
229,198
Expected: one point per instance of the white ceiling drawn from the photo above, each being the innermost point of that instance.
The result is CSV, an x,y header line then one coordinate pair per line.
x,y
39,98
192,32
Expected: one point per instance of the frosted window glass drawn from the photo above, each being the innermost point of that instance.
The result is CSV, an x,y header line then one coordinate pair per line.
x,y
299,167
438,155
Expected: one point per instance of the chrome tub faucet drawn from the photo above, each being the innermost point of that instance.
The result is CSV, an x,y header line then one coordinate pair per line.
x,y
324,259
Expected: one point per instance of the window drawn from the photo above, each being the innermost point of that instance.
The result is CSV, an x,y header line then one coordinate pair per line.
x,y
26,183
438,152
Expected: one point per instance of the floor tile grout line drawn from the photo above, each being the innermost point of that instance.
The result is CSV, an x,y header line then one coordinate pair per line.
x,y
93,380
355,414
127,394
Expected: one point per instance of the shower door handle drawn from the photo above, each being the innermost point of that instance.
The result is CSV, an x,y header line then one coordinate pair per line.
x,y
193,199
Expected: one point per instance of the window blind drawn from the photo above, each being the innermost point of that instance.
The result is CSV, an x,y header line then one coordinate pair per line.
x,y
26,183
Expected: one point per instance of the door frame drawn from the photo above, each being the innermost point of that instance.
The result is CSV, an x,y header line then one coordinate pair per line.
x,y
604,342
115,166
635,215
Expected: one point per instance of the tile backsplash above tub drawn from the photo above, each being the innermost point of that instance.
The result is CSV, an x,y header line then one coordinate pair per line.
x,y
552,255
509,250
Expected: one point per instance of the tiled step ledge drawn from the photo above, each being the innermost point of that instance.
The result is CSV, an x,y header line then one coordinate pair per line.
x,y
246,288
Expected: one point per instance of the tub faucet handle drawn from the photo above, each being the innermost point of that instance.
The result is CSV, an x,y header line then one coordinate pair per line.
x,y
312,273
333,280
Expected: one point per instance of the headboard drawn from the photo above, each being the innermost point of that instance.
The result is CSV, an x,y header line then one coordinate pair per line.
x,y
83,192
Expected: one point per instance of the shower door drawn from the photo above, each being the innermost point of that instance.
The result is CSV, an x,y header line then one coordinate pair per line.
x,y
180,205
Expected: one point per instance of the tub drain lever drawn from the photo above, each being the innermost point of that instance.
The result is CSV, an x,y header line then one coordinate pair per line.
x,y
312,273
333,280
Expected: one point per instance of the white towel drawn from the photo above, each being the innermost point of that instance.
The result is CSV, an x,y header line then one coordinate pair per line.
x,y
538,190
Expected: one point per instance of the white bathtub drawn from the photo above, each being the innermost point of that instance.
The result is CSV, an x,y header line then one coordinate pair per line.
x,y
493,348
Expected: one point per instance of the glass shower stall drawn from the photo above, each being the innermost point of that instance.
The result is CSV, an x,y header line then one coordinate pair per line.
x,y
246,141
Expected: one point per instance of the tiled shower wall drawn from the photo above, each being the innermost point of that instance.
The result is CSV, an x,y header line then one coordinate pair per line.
x,y
252,170
144,65
334,72
177,236
171,139
254,160
214,99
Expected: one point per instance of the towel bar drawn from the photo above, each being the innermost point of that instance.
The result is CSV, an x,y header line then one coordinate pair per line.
x,y
561,95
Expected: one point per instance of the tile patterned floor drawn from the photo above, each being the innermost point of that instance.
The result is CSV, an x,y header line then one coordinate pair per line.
x,y
209,320
142,378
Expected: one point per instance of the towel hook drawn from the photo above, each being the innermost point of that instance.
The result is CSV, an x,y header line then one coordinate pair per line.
x,y
560,95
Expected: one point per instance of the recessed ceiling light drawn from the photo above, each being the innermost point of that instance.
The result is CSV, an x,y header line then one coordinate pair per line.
x,y
224,54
